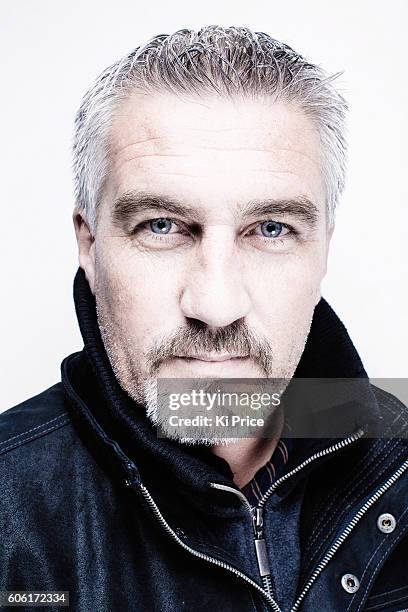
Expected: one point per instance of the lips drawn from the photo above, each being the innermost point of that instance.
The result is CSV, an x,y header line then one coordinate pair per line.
x,y
212,358
213,366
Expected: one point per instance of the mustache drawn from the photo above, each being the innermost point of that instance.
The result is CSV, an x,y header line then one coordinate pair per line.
x,y
198,338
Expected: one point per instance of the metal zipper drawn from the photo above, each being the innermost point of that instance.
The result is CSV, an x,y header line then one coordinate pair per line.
x,y
259,540
256,512
340,540
200,555
257,522
373,499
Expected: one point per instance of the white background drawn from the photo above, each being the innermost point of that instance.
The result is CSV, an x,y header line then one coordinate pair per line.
x,y
50,53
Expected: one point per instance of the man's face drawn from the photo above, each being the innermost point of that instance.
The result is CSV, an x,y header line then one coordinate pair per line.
x,y
211,241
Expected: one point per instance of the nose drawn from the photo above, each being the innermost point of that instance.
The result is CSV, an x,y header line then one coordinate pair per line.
x,y
214,291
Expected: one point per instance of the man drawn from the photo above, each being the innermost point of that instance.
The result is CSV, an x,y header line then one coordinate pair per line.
x,y
208,166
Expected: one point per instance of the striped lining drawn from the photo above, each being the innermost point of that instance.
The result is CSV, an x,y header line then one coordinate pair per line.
x,y
269,472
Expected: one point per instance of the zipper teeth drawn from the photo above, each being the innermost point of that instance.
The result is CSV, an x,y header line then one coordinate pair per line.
x,y
201,555
326,451
265,593
267,582
348,530
331,449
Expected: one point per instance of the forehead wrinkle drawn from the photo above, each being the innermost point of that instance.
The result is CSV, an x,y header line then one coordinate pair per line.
x,y
171,150
142,155
114,149
222,172
170,143
174,155
186,174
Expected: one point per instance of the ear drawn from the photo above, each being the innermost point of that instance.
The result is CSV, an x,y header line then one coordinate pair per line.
x,y
86,247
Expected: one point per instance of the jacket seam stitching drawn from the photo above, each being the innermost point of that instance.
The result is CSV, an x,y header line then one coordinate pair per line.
x,y
378,458
381,544
394,592
36,435
347,492
402,599
373,576
354,493
395,403
359,495
33,428
377,548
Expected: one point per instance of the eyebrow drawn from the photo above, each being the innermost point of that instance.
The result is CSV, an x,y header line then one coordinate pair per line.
x,y
131,203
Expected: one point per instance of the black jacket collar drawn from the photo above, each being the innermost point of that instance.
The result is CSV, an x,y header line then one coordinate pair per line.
x,y
115,427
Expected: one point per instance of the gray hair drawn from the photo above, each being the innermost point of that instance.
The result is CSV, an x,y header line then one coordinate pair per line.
x,y
225,61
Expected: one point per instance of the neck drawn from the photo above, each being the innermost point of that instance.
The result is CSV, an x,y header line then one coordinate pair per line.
x,y
248,455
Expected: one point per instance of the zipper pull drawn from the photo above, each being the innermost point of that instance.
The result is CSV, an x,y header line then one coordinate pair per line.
x,y
257,521
260,544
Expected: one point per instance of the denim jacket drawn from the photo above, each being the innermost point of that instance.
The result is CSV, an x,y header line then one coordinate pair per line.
x,y
94,503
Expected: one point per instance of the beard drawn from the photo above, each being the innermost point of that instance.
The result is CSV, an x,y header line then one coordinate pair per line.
x,y
137,373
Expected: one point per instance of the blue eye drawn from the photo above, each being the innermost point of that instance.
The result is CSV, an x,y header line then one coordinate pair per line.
x,y
271,229
161,225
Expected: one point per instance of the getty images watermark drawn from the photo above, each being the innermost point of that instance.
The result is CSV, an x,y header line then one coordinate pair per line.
x,y
199,409
199,398
213,410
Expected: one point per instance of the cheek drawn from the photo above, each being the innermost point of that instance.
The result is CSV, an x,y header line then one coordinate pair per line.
x,y
287,291
138,290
